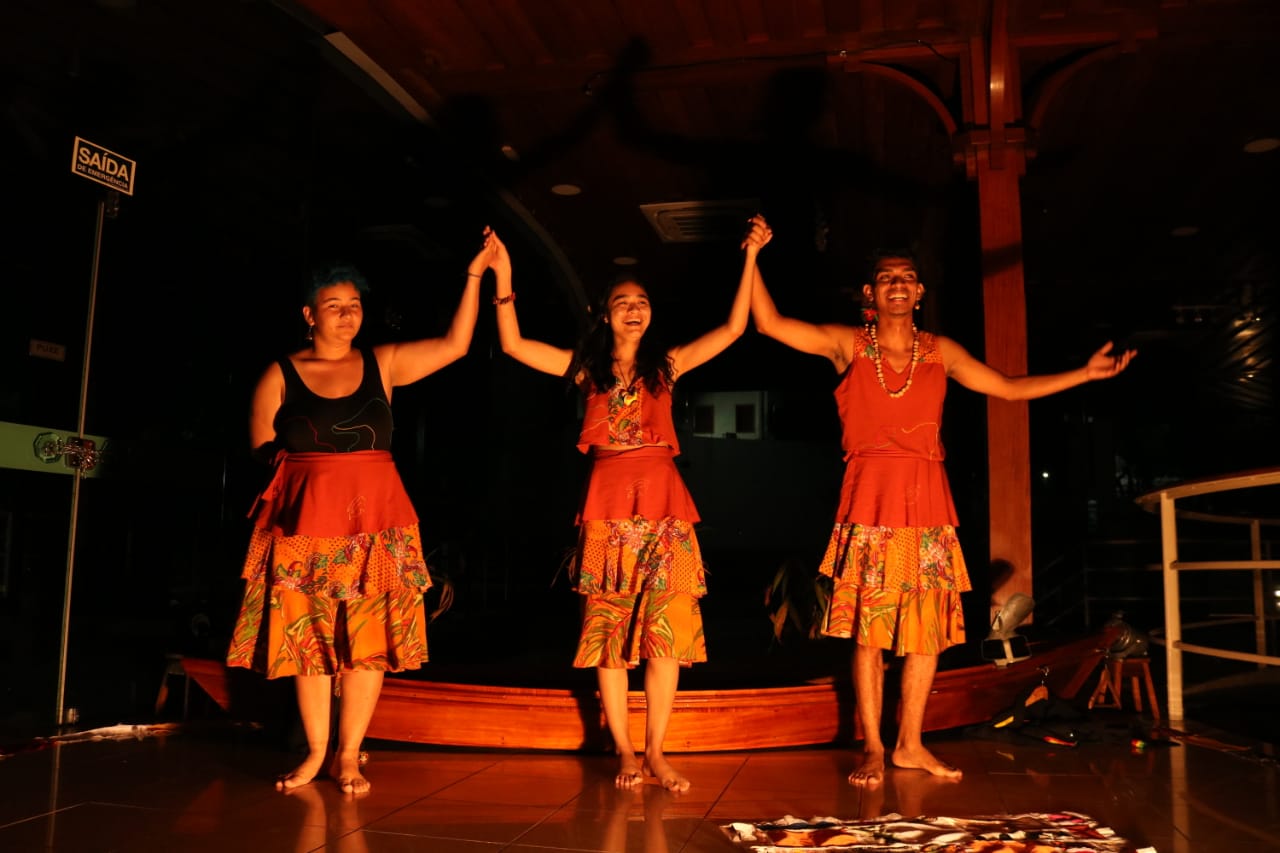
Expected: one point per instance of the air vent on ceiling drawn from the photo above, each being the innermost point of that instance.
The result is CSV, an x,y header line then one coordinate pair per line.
x,y
700,221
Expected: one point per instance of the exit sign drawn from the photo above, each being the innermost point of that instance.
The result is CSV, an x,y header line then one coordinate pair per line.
x,y
103,166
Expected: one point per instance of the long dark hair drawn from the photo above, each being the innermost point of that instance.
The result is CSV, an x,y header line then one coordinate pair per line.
x,y
593,357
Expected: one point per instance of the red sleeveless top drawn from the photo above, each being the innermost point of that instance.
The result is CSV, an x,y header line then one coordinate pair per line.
x,y
893,451
628,417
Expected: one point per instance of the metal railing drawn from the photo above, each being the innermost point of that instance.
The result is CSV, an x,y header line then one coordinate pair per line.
x,y
1164,501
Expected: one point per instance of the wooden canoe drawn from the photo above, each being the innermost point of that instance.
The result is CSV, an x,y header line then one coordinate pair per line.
x,y
819,712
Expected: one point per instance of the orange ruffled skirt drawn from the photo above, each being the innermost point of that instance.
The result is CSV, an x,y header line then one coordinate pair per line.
x,y
334,571
637,563
895,559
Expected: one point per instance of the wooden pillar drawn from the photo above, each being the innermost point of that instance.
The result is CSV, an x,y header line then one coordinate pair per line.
x,y
994,152
1008,425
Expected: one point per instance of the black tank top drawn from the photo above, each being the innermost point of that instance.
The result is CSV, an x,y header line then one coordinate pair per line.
x,y
309,423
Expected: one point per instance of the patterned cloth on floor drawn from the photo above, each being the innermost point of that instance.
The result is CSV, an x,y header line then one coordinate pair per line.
x,y
1061,832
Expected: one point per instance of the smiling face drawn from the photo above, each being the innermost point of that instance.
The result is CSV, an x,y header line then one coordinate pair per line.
x,y
895,287
337,312
629,312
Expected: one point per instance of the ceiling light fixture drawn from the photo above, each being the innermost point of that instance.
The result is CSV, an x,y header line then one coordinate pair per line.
x,y
625,261
566,189
1262,145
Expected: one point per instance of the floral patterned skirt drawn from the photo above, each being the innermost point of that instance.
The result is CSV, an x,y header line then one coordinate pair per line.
x,y
637,564
282,632
334,570
621,630
896,588
636,527
923,622
336,524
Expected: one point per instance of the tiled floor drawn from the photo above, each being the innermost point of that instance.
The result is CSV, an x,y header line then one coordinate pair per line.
x,y
208,787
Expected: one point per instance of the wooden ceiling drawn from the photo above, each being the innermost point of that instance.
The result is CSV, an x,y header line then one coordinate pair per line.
x,y
847,122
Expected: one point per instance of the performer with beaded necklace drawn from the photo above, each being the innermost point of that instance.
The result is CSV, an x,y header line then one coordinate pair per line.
x,y
893,554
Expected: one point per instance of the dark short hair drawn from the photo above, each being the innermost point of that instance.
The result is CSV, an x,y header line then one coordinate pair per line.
x,y
330,274
878,255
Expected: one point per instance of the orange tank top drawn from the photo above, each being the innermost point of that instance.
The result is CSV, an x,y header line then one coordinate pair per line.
x,y
894,474
875,424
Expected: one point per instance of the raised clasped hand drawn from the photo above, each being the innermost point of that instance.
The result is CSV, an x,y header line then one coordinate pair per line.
x,y
498,259
487,257
758,235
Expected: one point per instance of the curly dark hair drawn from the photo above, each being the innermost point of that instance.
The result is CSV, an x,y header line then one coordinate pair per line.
x,y
328,275
593,357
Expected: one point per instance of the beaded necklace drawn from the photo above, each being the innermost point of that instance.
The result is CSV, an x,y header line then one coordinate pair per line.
x,y
911,370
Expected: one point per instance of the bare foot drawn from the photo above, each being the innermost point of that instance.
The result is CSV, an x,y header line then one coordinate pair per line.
x,y
870,773
346,770
656,765
919,758
629,775
301,775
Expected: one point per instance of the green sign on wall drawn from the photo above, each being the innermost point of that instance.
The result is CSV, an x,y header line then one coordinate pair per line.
x,y
33,448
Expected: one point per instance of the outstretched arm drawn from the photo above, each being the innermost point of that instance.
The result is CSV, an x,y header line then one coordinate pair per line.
x,y
706,347
829,340
980,377
407,362
535,354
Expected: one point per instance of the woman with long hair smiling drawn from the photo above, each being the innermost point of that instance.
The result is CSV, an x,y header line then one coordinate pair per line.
x,y
637,564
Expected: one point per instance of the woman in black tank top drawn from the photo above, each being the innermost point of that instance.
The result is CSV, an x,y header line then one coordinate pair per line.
x,y
335,569
309,423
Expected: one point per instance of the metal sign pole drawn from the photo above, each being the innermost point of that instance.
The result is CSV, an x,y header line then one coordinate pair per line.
x,y
117,173
110,202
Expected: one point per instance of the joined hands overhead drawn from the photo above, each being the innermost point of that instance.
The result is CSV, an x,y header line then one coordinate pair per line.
x,y
758,235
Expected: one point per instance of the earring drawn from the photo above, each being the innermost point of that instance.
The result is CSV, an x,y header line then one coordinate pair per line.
x,y
311,331
917,304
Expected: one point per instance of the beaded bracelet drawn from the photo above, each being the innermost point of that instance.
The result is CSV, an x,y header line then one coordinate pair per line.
x,y
503,300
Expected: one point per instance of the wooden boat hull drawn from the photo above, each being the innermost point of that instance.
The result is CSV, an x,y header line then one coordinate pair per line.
x,y
816,713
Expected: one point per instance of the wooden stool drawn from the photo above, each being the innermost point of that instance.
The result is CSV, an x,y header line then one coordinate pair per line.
x,y
1108,693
